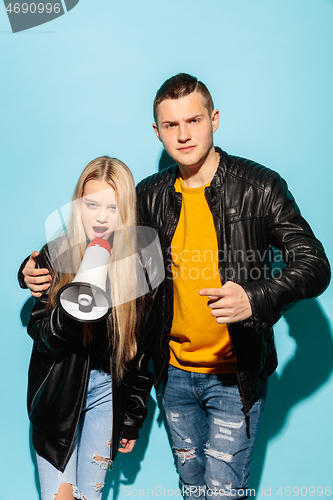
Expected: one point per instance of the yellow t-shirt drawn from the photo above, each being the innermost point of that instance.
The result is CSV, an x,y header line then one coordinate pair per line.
x,y
197,342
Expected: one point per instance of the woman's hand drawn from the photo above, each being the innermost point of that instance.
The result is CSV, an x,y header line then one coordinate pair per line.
x,y
127,445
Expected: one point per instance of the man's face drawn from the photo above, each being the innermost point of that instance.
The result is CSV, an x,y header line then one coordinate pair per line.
x,y
186,128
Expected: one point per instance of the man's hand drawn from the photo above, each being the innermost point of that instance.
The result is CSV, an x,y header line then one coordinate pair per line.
x,y
37,280
229,304
127,445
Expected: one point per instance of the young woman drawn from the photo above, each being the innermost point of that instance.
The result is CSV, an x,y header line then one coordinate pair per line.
x,y
88,382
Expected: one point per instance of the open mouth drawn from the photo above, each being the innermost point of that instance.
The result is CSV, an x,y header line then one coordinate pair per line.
x,y
100,230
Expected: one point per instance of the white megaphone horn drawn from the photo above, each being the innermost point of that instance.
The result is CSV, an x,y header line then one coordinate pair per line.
x,y
84,299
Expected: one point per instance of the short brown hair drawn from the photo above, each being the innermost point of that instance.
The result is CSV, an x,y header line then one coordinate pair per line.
x,y
179,86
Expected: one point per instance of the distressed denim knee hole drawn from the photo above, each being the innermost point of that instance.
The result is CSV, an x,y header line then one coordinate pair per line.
x,y
101,461
185,454
99,486
75,491
219,455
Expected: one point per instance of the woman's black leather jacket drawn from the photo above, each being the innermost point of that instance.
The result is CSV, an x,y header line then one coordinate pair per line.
x,y
58,376
253,213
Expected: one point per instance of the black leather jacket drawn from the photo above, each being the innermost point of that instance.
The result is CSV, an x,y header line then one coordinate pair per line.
x,y
58,376
253,211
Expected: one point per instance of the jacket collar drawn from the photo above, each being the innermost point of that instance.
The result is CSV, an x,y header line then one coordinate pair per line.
x,y
218,178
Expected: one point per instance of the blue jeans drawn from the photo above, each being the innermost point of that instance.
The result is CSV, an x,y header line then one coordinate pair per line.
x,y
85,471
212,449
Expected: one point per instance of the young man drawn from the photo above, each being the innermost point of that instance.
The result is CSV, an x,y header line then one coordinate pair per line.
x,y
218,217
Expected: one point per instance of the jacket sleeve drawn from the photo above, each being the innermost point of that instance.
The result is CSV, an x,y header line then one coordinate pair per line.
x,y
136,409
51,330
307,271
20,276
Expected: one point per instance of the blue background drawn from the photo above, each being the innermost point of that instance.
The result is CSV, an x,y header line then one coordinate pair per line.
x,y
82,86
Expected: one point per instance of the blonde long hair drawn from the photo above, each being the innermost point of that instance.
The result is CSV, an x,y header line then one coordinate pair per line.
x,y
122,268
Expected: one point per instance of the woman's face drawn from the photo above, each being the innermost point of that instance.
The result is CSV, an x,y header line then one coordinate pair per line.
x,y
98,209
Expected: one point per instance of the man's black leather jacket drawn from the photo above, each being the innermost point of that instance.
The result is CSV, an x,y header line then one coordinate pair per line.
x,y
58,376
253,213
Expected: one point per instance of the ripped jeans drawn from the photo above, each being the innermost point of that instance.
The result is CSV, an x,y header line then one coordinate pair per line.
x,y
212,450
85,469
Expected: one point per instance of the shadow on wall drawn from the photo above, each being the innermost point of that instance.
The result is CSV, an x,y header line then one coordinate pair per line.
x,y
305,373
165,161
127,466
26,311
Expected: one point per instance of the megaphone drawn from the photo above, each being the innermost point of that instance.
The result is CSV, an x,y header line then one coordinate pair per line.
x,y
85,299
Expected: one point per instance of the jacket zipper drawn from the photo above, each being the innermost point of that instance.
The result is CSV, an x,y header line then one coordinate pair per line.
x,y
208,198
112,398
78,418
169,233
112,403
41,385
